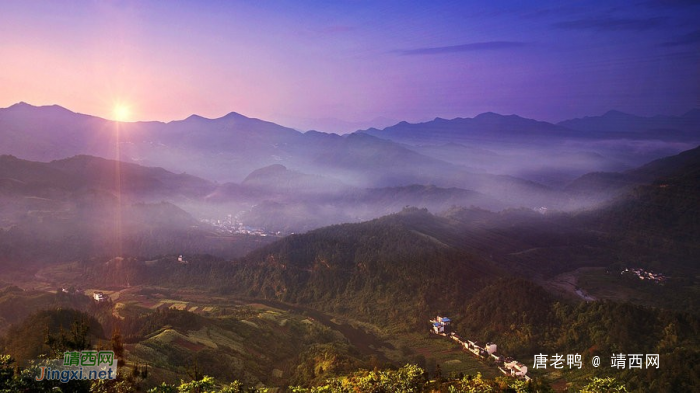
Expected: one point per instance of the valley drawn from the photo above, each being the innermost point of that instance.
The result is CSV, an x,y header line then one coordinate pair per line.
x,y
298,275
349,196
227,326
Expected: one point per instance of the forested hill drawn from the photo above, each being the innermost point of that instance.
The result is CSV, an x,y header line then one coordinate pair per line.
x,y
402,267
687,162
602,183
405,266
663,216
413,262
524,320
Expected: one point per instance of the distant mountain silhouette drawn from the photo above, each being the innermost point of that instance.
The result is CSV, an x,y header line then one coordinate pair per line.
x,y
491,127
622,125
337,126
83,172
510,159
225,149
52,132
551,154
486,127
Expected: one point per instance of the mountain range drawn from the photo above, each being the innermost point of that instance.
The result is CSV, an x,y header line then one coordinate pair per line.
x,y
73,200
278,178
231,147
308,254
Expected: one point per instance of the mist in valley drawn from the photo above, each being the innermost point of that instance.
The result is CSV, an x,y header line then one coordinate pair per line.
x,y
351,196
235,175
260,175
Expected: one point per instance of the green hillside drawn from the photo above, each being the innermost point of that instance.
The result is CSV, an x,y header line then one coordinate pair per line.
x,y
326,303
395,269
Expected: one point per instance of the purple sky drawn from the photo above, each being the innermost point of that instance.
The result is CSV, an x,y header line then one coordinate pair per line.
x,y
309,64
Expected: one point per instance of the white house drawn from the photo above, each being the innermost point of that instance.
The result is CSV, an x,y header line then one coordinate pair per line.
x,y
440,325
99,296
516,368
491,348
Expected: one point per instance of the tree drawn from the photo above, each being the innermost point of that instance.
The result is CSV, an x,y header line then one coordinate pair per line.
x,y
203,385
206,384
163,388
473,385
76,340
6,373
604,385
117,344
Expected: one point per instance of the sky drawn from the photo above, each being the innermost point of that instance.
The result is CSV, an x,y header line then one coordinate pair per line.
x,y
338,66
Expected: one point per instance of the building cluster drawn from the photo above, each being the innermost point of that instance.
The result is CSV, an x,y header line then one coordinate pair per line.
x,y
645,275
232,226
96,296
99,297
443,326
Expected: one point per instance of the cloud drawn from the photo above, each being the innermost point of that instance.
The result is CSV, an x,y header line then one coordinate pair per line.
x,y
688,39
612,24
473,47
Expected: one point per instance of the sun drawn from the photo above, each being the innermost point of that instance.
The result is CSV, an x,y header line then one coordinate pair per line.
x,y
121,112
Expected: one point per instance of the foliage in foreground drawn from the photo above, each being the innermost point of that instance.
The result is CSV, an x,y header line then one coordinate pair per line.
x,y
412,378
407,379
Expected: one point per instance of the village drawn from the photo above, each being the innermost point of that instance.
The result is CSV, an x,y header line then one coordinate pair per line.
x,y
230,225
642,274
507,365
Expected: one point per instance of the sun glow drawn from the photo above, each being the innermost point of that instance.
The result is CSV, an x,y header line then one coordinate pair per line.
x,y
121,112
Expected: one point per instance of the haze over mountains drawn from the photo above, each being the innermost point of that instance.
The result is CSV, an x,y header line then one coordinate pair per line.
x,y
62,184
280,178
548,153
231,147
499,221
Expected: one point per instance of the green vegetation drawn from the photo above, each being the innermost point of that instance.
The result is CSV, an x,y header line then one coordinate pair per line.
x,y
16,304
48,332
260,345
676,293
311,310
366,271
411,378
524,320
